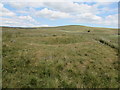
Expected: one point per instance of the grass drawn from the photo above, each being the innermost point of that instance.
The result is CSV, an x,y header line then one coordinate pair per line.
x,y
65,57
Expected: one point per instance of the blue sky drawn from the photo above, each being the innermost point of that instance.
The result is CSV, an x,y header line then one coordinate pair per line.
x,y
37,14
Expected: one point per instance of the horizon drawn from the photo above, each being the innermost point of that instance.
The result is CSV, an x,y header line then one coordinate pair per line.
x,y
57,26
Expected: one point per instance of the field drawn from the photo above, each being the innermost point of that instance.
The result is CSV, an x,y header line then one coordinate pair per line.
x,y
60,57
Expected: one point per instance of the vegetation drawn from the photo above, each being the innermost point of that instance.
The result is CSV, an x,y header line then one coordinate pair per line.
x,y
65,57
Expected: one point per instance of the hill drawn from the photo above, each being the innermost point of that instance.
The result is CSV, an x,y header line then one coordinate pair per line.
x,y
66,56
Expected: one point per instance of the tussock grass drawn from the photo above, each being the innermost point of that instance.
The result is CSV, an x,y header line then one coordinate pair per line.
x,y
50,58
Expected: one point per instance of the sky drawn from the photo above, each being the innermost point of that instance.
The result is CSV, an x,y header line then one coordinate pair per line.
x,y
46,13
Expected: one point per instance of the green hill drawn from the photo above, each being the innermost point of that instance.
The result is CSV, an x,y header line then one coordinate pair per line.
x,y
66,56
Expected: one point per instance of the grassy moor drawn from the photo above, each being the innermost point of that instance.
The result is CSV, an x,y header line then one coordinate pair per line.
x,y
70,56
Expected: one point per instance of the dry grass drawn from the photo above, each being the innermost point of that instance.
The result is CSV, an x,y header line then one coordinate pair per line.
x,y
51,58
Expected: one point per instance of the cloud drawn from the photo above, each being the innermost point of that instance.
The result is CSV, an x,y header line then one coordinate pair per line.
x,y
52,14
77,12
111,20
87,18
19,21
5,11
71,7
60,1
27,18
44,25
67,7
25,4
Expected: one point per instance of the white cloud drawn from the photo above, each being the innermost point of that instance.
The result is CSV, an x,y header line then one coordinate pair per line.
x,y
21,5
57,10
60,1
87,18
52,14
5,11
111,20
22,12
27,18
44,25
67,7
77,12
24,21
71,7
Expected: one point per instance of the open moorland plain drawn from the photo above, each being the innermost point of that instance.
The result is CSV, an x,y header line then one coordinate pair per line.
x,y
70,56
